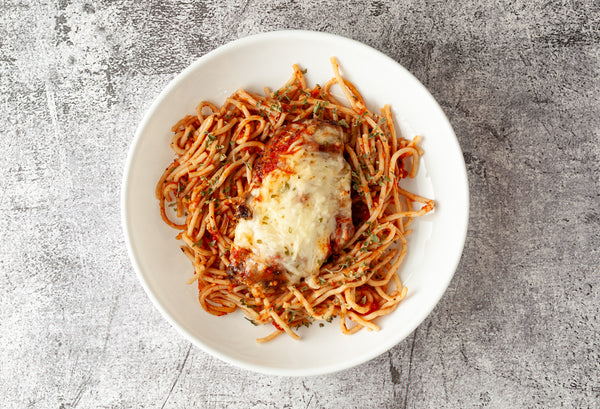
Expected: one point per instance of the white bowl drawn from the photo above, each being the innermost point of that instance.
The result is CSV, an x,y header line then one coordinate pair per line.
x,y
435,247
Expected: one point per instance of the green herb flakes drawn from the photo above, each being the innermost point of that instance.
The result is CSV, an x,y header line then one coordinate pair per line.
x,y
251,321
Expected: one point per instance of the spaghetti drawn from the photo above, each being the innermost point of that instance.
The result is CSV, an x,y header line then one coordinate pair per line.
x,y
217,151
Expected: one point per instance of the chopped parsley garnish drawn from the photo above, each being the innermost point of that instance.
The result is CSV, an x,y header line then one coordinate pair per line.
x,y
284,188
319,107
251,321
276,107
211,137
359,119
207,192
383,180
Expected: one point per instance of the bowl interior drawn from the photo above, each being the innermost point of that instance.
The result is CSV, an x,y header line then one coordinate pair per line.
x,y
266,60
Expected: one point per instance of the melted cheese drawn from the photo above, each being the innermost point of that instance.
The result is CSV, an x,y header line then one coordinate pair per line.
x,y
296,208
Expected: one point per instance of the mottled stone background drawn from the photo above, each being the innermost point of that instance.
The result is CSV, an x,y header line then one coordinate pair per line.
x,y
519,325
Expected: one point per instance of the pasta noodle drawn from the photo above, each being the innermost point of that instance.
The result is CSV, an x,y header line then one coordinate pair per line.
x,y
216,150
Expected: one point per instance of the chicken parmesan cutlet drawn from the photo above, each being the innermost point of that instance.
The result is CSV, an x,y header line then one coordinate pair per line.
x,y
299,209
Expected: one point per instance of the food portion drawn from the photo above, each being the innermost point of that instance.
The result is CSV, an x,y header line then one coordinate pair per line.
x,y
290,205
299,208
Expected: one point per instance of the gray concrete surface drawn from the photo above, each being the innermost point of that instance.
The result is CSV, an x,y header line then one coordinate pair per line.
x,y
519,326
